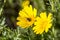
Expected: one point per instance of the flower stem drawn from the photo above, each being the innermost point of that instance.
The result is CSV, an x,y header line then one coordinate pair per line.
x,y
53,32
42,37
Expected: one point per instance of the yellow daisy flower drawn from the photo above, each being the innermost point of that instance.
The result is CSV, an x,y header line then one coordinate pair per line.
x,y
26,16
25,3
43,23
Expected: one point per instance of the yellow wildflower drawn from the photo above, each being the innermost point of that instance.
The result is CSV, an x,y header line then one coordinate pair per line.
x,y
25,3
43,23
26,16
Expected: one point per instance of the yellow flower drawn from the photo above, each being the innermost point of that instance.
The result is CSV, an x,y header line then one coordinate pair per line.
x,y
43,23
26,16
25,3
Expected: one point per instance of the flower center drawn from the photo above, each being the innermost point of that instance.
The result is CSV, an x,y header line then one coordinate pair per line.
x,y
29,19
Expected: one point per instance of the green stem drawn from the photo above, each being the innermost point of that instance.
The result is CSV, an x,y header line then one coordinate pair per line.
x,y
29,38
42,37
53,32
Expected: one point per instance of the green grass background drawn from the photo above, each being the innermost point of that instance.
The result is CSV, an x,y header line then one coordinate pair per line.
x,y
9,10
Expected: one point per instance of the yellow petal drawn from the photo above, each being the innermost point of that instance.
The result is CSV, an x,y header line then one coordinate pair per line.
x,y
43,15
35,12
25,3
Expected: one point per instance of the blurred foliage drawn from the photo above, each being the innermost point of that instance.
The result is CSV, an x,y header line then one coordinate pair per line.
x,y
9,11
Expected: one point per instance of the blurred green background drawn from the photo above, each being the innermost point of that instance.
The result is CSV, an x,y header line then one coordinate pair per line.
x,y
9,10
